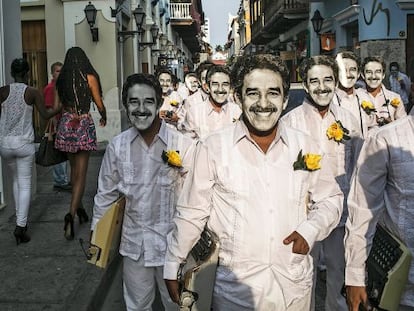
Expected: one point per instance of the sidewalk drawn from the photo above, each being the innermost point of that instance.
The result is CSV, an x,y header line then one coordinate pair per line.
x,y
49,272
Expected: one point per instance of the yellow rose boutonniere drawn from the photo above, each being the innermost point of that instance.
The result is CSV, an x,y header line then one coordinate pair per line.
x,y
307,162
174,103
368,107
337,132
172,158
395,102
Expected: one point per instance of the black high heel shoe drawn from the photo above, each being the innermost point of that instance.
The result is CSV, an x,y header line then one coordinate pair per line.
x,y
83,217
20,233
68,228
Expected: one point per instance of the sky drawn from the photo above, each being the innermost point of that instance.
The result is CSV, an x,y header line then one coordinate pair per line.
x,y
218,11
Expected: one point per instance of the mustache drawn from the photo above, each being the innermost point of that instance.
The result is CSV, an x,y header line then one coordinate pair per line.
x,y
257,109
138,113
326,91
220,92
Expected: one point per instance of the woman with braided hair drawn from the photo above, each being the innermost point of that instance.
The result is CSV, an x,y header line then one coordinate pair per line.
x,y
78,84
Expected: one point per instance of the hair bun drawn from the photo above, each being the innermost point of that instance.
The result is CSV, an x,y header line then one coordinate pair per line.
x,y
20,66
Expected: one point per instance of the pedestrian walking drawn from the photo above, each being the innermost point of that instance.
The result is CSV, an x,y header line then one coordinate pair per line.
x,y
17,146
146,163
60,176
78,84
258,185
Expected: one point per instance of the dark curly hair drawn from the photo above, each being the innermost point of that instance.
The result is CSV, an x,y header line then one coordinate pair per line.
x,y
216,69
245,64
19,67
141,78
72,84
324,60
377,59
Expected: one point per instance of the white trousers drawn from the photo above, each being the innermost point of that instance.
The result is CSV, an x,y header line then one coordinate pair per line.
x,y
20,164
334,259
140,286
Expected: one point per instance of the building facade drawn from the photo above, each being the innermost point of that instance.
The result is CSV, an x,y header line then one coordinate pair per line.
x,y
42,31
367,27
116,45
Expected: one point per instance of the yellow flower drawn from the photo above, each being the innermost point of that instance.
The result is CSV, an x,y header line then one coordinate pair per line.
x,y
337,132
312,161
395,102
172,158
174,103
307,162
368,107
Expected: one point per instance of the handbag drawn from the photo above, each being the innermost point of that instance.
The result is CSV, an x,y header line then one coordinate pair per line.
x,y
47,154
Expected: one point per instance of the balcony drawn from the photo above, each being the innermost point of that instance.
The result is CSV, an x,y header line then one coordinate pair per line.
x,y
276,17
186,20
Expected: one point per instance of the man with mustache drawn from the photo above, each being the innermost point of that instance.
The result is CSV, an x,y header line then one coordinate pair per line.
x,y
137,164
251,186
350,98
338,134
388,105
215,112
171,109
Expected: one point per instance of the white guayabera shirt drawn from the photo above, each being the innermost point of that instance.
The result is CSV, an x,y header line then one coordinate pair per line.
x,y
202,119
340,157
382,102
352,103
253,201
151,188
382,190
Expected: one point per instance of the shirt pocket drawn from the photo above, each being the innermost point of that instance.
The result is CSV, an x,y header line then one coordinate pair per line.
x,y
232,179
128,178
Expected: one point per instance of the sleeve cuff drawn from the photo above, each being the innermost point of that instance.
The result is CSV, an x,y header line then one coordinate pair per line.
x,y
171,270
355,276
308,232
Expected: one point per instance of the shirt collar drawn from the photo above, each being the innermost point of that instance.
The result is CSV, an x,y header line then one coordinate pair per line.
x,y
162,133
210,109
341,93
309,108
241,132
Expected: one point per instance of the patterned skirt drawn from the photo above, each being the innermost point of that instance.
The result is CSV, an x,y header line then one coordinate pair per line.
x,y
75,133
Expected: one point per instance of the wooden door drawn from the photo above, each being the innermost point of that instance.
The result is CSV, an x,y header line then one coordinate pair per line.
x,y
34,51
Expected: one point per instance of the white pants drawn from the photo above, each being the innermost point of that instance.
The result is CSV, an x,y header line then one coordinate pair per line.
x,y
20,164
334,258
139,286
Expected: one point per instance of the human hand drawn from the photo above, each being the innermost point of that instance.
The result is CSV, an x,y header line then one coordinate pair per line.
x,y
300,246
356,295
173,290
102,122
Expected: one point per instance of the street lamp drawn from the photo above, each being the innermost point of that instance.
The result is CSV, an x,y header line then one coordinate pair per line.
x,y
139,16
90,14
317,21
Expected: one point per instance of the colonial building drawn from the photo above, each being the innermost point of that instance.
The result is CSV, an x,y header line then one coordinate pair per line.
x,y
295,29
